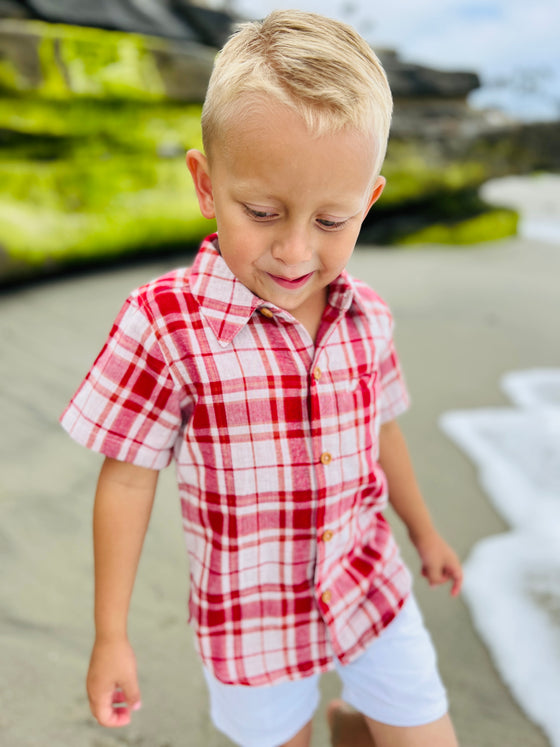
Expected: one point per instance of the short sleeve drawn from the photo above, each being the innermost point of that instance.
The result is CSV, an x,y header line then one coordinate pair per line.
x,y
128,406
394,398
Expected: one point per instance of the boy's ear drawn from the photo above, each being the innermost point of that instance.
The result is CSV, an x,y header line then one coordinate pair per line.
x,y
376,191
197,164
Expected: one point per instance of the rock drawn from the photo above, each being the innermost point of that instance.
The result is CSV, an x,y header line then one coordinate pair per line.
x,y
63,62
441,152
14,9
175,19
410,81
92,143
517,148
213,27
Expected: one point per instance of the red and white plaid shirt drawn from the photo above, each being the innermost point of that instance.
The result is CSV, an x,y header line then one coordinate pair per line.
x,y
275,440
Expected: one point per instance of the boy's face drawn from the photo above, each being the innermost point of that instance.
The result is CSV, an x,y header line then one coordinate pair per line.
x,y
288,206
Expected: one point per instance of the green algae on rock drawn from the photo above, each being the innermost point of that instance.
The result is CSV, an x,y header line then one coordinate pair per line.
x,y
62,213
493,224
428,189
416,173
59,62
92,143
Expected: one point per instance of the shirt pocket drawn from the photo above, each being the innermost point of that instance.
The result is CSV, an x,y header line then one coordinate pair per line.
x,y
355,394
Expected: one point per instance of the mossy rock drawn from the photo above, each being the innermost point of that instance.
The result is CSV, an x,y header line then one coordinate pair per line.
x,y
417,171
60,62
496,223
59,213
84,179
460,216
90,126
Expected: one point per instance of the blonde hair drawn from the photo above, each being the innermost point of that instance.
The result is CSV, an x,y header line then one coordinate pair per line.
x,y
319,67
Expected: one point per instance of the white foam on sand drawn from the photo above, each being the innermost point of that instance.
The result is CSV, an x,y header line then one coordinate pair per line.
x,y
540,229
536,197
512,581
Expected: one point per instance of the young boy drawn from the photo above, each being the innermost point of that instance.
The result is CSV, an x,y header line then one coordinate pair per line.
x,y
270,376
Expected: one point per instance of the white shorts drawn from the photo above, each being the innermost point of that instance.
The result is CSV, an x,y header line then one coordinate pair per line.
x,y
395,681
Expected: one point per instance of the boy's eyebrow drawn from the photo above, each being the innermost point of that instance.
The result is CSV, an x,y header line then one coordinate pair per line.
x,y
337,208
248,184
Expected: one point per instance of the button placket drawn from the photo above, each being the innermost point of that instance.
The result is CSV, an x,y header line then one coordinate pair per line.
x,y
325,457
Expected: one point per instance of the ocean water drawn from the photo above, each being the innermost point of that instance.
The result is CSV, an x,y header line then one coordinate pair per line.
x,y
512,580
511,44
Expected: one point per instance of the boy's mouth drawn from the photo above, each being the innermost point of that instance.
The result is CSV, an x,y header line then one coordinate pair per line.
x,y
291,283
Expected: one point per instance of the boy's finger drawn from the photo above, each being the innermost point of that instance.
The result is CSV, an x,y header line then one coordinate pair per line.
x,y
434,575
131,695
115,709
457,577
121,708
110,711
120,711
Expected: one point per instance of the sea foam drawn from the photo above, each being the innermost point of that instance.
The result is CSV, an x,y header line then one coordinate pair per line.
x,y
512,581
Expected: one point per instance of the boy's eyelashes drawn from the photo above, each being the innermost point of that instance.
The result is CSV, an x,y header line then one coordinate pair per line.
x,y
265,215
259,214
331,225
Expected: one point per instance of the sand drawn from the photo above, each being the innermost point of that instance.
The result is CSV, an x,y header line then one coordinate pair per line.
x,y
465,316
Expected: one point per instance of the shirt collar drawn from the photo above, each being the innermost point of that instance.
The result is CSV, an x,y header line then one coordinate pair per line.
x,y
343,293
224,301
228,305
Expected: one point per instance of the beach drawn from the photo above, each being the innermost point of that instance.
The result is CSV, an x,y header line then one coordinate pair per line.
x,y
464,318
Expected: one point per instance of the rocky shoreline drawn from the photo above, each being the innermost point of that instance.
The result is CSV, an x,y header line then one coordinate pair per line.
x,y
94,123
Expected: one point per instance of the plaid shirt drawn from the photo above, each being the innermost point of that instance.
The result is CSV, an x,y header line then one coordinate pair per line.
x,y
275,441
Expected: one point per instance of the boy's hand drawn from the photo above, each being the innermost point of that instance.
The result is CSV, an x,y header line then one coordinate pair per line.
x,y
112,684
439,562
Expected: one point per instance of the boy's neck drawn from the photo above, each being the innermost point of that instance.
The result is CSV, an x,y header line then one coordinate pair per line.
x,y
310,314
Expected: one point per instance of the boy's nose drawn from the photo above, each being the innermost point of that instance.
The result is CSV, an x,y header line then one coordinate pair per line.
x,y
292,247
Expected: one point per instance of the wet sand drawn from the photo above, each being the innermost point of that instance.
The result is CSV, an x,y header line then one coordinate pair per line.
x,y
464,317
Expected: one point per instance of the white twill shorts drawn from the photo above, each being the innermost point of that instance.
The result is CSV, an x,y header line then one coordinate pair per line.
x,y
395,681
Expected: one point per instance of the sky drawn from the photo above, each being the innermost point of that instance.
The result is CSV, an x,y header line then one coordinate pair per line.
x,y
513,41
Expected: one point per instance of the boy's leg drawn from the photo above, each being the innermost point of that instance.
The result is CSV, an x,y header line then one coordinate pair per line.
x,y
301,739
439,733
396,686
350,729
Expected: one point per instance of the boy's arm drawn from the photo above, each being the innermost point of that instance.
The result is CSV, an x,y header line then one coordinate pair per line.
x,y
123,504
439,561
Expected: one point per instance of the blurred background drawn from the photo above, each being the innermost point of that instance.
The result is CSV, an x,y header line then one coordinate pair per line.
x,y
98,103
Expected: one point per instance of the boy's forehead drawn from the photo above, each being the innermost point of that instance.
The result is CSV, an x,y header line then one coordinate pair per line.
x,y
270,153
253,114
247,111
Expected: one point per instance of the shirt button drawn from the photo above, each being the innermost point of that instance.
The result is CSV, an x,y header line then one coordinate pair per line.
x,y
265,311
327,535
326,458
326,596
317,373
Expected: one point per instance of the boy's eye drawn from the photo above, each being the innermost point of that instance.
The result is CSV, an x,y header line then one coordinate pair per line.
x,y
331,225
259,214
